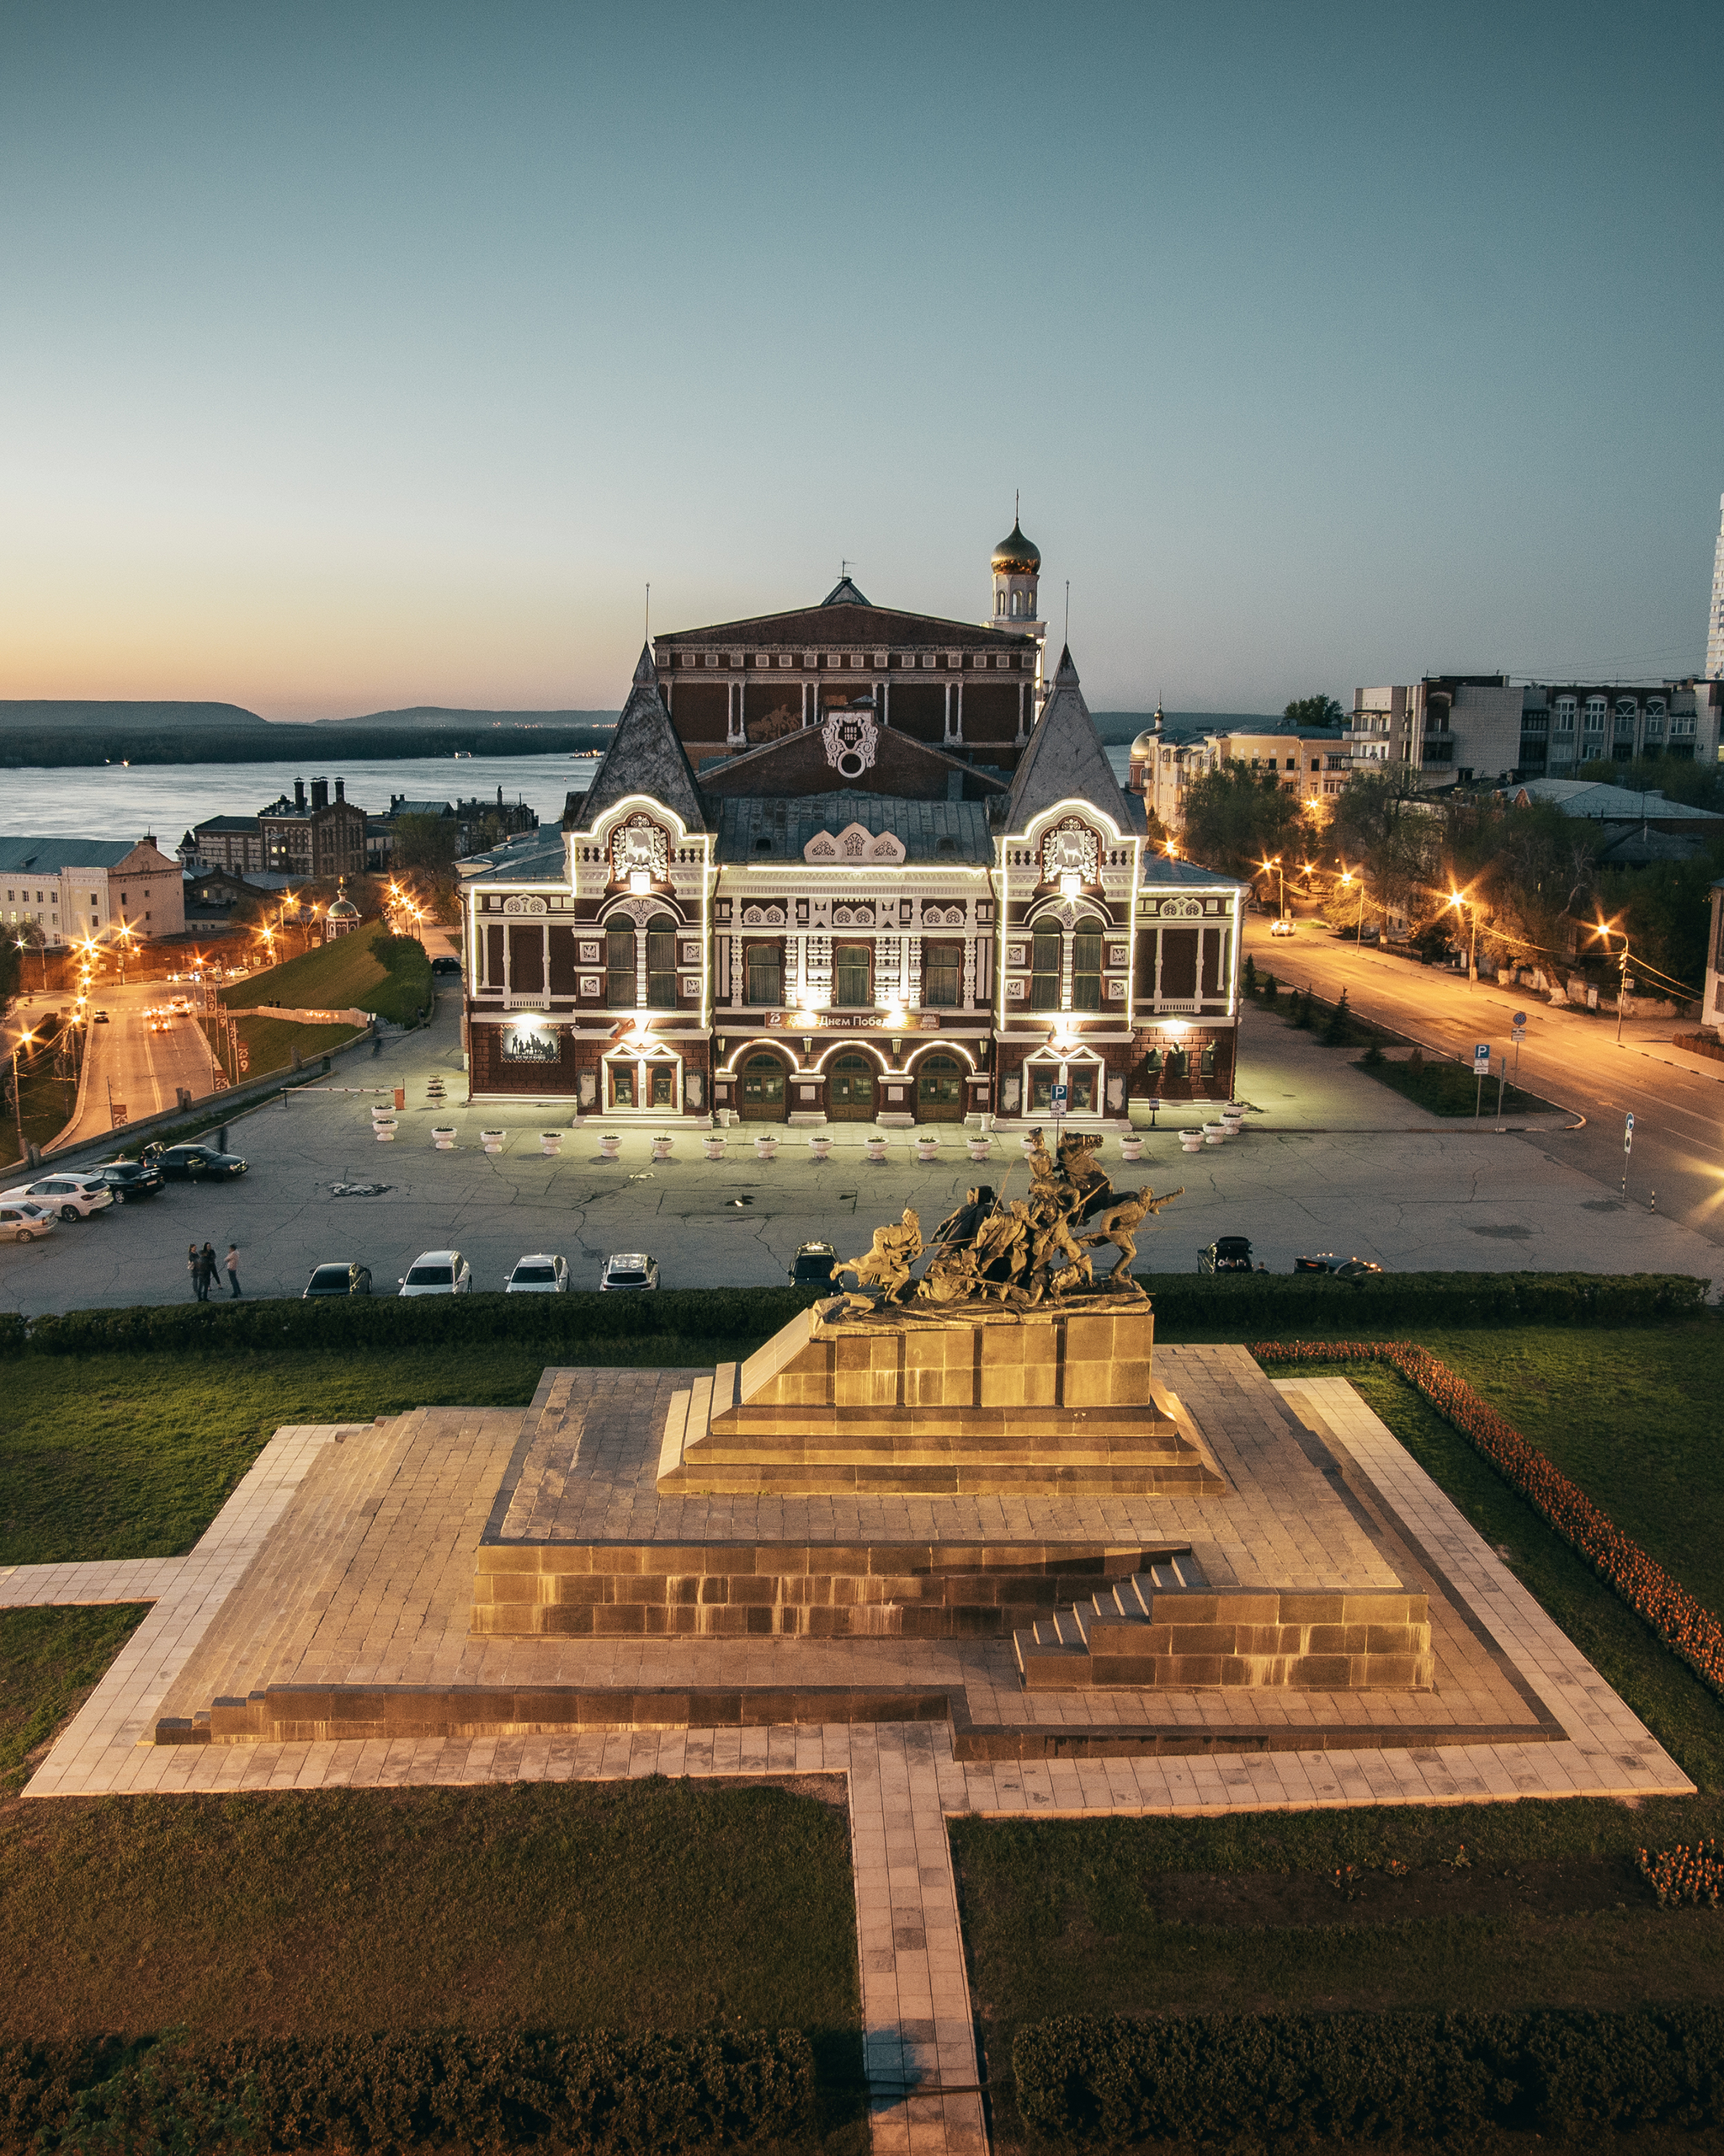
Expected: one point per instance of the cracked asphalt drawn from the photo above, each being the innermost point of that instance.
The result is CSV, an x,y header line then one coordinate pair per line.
x,y
1336,1162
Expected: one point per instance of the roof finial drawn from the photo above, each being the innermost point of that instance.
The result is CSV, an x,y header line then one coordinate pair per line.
x,y
1017,513
649,613
1066,638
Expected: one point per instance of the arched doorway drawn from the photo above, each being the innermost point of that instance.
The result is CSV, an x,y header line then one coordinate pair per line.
x,y
940,1090
850,1091
763,1089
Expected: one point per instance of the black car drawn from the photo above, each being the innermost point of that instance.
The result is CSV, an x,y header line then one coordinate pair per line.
x,y
1343,1269
445,965
813,1265
1227,1253
130,1179
339,1279
192,1163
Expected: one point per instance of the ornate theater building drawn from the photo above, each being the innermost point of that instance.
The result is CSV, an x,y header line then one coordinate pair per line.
x,y
851,864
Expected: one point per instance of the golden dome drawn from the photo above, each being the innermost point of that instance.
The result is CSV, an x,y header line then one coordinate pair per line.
x,y
1017,556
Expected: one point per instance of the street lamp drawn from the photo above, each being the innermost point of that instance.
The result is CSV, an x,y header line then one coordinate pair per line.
x,y
1458,899
25,1039
1276,865
1348,876
1607,929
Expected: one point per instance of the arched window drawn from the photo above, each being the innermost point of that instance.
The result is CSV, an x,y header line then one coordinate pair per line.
x,y
851,1095
852,975
999,602
662,962
940,1089
620,965
1086,965
1017,603
764,1090
1046,955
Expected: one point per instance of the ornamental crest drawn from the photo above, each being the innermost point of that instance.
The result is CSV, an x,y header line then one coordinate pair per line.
x,y
849,738
639,847
1070,848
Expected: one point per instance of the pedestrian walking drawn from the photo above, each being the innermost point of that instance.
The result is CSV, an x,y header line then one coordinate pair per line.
x,y
233,1271
206,1266
195,1266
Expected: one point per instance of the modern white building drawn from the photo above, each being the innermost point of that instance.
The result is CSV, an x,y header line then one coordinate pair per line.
x,y
99,888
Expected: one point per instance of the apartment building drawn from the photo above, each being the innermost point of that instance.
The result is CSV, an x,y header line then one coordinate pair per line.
x,y
74,889
1483,728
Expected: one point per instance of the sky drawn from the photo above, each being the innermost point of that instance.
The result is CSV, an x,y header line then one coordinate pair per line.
x,y
360,356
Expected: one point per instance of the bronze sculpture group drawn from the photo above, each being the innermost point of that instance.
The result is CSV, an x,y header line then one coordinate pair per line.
x,y
1017,1252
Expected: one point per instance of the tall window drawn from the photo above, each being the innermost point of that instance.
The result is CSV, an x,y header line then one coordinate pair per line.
x,y
662,963
1565,715
942,974
1086,966
1046,955
620,966
1595,715
765,973
852,975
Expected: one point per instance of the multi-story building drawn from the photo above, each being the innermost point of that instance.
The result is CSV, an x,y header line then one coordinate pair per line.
x,y
850,923
233,843
320,840
1714,618
101,890
1483,728
1310,763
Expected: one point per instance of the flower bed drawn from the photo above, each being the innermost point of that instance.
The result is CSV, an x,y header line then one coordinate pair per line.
x,y
1685,1626
1687,1874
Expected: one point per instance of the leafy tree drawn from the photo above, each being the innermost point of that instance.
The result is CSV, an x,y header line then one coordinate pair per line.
x,y
1313,712
1677,778
1236,817
1665,911
11,969
424,842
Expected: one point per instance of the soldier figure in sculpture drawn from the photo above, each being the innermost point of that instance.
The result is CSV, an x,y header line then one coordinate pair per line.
x,y
885,1263
1118,1226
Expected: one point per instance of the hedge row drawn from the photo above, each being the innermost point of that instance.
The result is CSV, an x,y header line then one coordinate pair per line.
x,y
1293,2078
388,2095
1685,1625
1186,1305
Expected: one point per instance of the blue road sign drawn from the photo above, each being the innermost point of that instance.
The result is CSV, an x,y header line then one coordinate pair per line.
x,y
1628,1134
1059,1096
1482,1059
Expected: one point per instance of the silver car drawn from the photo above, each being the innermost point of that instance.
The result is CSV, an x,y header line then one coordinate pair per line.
x,y
629,1271
23,1222
438,1272
73,1197
540,1273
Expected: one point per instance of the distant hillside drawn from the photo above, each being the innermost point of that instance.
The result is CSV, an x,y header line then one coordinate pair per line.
x,y
435,717
65,734
24,715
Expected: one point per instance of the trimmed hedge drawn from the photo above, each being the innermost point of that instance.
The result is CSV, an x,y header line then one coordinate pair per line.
x,y
612,2095
1684,1624
1188,1305
1293,2078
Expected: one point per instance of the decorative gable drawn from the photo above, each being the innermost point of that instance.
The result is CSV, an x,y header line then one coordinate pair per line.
x,y
1071,847
854,844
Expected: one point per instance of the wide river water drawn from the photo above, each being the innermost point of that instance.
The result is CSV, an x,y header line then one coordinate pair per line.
x,y
113,800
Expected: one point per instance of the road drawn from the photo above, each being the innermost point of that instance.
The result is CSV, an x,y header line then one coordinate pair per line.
x,y
130,1064
1677,1100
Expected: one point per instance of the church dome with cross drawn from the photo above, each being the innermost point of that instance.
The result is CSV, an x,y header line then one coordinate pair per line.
x,y
1017,569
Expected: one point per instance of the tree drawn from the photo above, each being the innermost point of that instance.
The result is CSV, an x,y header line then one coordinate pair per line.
x,y
1236,817
1313,712
424,842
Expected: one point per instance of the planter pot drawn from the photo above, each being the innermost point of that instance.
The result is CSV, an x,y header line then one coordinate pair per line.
x,y
1131,1149
661,1149
978,1148
927,1150
819,1147
551,1143
610,1146
1213,1134
1232,1125
1027,1142
443,1137
714,1146
766,1148
383,1132
493,1139
1191,1141
876,1152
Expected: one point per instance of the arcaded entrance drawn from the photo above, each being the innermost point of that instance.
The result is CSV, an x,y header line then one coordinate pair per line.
x,y
940,1090
762,1093
850,1090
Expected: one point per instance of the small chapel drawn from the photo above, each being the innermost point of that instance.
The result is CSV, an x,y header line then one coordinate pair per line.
x,y
852,864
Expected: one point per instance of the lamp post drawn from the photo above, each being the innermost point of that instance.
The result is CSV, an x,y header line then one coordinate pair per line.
x,y
1606,930
1457,900
25,1040
1348,876
1275,864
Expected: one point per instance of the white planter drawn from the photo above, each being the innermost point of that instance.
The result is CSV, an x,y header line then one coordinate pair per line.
x,y
876,1152
1191,1141
714,1146
610,1146
1131,1149
384,1133
766,1148
978,1148
443,1137
493,1139
820,1148
927,1150
661,1149
1213,1134
1232,1125
1027,1142
551,1143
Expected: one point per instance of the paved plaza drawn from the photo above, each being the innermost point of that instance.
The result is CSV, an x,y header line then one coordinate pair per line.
x,y
1329,1160
343,1567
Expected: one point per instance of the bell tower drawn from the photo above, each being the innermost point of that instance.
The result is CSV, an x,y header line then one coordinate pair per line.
x,y
1017,575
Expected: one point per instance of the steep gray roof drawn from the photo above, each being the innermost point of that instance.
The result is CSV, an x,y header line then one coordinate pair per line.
x,y
48,856
1065,757
1161,873
645,756
786,824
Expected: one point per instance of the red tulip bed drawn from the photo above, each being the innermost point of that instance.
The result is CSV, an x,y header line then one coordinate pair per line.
x,y
1686,1627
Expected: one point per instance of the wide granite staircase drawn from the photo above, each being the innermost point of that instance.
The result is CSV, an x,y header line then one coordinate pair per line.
x,y
1165,1628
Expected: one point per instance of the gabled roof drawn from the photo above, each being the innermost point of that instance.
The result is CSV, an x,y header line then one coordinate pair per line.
x,y
645,756
48,856
753,829
1618,804
1065,758
216,824
846,619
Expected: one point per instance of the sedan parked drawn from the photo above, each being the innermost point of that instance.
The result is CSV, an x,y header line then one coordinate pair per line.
x,y
630,1271
438,1272
342,1278
23,1222
193,1162
542,1274
129,1179
73,1197
1227,1253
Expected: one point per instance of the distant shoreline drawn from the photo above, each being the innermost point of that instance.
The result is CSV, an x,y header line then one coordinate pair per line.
x,y
326,742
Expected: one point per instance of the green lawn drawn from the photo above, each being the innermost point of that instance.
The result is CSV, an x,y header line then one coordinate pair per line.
x,y
1449,1088
638,1905
272,1040
335,975
49,1660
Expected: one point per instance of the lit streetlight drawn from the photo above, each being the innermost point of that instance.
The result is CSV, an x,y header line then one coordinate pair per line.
x,y
1606,930
1458,899
1348,876
1275,864
25,1040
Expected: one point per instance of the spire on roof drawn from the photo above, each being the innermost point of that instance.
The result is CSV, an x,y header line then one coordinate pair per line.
x,y
1065,758
645,756
844,592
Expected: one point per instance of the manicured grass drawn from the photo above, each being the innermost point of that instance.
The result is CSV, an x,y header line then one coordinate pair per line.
x,y
157,1443
334,976
1449,1088
49,1659
271,1042
633,1905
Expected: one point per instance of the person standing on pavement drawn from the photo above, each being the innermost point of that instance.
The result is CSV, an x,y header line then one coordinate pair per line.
x,y
195,1266
207,1263
233,1271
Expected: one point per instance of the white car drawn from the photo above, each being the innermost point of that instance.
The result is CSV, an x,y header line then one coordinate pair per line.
x,y
1281,927
628,1270
73,1197
438,1272
23,1222
540,1273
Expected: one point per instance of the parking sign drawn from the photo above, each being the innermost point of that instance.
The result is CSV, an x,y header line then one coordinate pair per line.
x,y
1482,1059
1058,1100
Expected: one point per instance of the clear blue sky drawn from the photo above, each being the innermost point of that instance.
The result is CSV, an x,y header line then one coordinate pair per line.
x,y
367,355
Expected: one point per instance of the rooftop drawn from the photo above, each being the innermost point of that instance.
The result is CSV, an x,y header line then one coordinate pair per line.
x,y
48,856
1588,797
752,827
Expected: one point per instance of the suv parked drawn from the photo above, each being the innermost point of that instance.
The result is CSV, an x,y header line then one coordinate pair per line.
x,y
1227,1253
73,1197
631,1270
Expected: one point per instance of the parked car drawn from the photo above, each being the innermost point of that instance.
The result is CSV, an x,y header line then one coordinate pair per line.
x,y
445,965
343,1277
192,1163
813,1265
541,1273
23,1220
1227,1253
1281,926
73,1197
438,1272
1343,1269
629,1269
130,1179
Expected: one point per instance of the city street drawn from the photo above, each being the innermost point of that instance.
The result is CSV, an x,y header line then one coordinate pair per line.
x,y
1571,1057
1329,1161
130,1066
